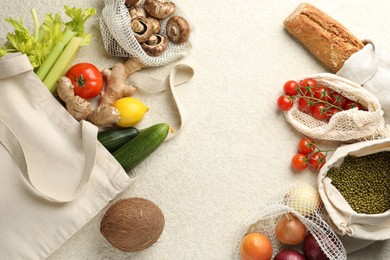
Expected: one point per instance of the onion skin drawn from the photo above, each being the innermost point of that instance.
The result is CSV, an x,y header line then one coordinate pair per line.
x,y
289,254
312,250
304,199
290,230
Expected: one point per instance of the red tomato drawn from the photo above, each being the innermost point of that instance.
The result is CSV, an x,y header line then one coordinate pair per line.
x,y
299,162
317,160
321,93
319,111
305,104
86,79
331,111
308,82
306,146
285,103
337,99
290,87
307,86
352,104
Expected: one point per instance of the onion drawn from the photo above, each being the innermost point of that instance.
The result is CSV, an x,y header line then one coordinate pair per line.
x,y
289,254
312,250
289,230
304,199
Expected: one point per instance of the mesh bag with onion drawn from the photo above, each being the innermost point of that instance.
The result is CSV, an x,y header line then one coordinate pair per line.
x,y
302,201
348,125
119,39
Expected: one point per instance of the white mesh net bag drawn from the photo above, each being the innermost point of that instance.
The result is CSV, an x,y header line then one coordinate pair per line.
x,y
119,39
302,201
348,125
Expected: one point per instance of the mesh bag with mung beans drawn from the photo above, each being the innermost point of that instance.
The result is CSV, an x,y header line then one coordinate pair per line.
x,y
354,186
302,201
347,125
119,39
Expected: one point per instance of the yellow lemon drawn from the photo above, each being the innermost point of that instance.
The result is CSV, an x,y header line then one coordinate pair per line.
x,y
131,111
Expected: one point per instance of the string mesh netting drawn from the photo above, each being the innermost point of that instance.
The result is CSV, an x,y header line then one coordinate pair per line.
x,y
119,39
349,125
286,201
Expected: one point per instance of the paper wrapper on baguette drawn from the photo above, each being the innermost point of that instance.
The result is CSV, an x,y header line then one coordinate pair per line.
x,y
323,36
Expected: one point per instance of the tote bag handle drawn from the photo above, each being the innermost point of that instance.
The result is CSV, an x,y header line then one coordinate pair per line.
x,y
15,148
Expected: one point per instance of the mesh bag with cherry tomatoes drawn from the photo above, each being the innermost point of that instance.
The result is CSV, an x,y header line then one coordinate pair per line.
x,y
328,107
312,238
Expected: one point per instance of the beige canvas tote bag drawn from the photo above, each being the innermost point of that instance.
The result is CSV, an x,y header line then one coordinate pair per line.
x,y
54,176
345,221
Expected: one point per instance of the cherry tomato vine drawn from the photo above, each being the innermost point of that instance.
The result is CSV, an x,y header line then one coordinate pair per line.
x,y
313,98
309,155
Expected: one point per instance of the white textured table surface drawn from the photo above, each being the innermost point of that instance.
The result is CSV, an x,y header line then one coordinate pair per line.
x,y
236,148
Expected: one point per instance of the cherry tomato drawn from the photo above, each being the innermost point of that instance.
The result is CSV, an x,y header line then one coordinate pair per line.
x,y
321,93
305,104
331,111
86,79
299,162
317,160
306,146
319,111
352,104
306,86
285,103
337,99
291,88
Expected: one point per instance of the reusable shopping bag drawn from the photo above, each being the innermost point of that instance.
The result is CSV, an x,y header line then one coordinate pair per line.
x,y
346,221
55,176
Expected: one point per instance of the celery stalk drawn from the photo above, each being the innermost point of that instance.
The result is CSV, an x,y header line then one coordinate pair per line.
x,y
36,23
60,66
54,54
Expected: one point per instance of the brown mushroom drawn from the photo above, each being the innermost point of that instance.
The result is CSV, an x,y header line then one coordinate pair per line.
x,y
156,45
155,24
129,3
178,29
159,8
132,224
137,10
142,28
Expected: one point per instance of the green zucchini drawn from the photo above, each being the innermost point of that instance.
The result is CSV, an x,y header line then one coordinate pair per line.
x,y
138,149
115,138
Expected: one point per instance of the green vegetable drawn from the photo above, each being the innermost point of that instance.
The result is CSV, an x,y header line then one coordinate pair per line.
x,y
74,28
45,46
146,142
115,138
364,182
61,65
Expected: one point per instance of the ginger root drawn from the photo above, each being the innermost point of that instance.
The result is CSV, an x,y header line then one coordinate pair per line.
x,y
105,114
77,106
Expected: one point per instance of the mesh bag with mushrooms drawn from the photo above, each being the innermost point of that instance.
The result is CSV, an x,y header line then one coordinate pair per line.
x,y
156,32
303,202
348,125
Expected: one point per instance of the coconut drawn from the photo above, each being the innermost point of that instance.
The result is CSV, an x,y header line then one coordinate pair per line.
x,y
132,224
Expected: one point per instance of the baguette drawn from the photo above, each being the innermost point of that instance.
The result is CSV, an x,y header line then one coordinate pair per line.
x,y
328,40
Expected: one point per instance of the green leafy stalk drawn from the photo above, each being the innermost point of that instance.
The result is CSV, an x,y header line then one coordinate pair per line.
x,y
60,66
73,28
45,47
36,23
54,54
